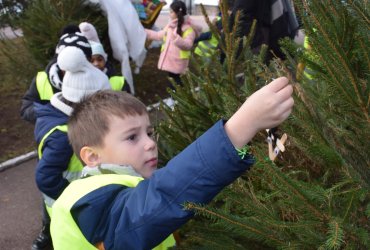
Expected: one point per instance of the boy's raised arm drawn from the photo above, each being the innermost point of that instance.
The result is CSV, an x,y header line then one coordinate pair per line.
x,y
266,108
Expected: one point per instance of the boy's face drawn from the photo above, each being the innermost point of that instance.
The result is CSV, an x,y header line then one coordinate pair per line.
x,y
130,142
98,61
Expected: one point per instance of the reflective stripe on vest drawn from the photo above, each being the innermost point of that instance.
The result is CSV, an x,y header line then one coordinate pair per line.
x,y
308,72
206,47
117,82
43,86
184,54
64,231
74,168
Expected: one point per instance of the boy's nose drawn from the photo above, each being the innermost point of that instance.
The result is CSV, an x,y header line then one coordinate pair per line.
x,y
150,144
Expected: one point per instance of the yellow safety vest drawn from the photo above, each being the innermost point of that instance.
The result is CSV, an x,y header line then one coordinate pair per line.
x,y
184,54
73,171
64,231
43,86
308,72
207,47
117,82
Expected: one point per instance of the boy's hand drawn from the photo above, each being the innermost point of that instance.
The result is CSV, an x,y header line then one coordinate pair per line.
x,y
266,108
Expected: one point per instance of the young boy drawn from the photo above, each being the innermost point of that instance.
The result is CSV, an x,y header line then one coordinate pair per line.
x,y
113,208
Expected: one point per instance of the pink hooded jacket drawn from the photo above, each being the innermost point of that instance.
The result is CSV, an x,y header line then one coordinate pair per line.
x,y
170,60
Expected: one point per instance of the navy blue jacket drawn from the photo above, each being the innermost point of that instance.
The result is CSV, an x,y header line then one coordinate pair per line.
x,y
32,95
56,152
143,216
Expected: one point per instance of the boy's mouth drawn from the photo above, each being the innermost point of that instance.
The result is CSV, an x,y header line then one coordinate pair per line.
x,y
152,162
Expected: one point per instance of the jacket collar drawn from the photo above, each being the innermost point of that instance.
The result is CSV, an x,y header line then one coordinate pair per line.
x,y
109,169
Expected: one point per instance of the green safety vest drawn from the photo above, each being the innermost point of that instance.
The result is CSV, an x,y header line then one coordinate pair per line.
x,y
117,82
184,54
73,171
43,86
64,231
308,72
207,47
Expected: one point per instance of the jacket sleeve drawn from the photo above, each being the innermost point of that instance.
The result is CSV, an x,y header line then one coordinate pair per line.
x,y
248,11
185,43
203,36
27,110
126,87
54,161
142,217
155,35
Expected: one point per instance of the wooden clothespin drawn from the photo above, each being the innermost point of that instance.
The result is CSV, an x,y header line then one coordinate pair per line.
x,y
275,145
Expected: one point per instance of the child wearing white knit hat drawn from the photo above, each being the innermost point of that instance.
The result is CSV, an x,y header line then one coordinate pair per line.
x,y
81,77
57,165
100,60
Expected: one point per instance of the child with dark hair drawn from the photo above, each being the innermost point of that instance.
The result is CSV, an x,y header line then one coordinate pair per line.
x,y
178,39
100,60
122,200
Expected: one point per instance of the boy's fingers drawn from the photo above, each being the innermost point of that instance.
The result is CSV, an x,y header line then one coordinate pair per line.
x,y
285,92
285,115
278,84
287,105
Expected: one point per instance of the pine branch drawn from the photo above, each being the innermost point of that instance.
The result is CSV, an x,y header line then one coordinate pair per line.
x,y
209,213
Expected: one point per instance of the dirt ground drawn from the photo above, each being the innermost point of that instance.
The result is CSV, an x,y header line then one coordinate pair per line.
x,y
17,135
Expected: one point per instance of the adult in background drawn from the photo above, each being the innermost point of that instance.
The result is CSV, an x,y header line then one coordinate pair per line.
x,y
275,20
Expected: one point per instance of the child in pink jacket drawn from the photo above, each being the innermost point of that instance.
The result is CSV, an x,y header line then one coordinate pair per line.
x,y
178,38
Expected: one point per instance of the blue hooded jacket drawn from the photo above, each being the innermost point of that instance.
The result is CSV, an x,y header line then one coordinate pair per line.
x,y
143,216
56,152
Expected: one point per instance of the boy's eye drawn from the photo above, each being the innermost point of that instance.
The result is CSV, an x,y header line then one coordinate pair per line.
x,y
151,134
132,137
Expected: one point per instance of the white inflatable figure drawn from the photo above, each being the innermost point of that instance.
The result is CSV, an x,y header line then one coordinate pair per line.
x,y
126,34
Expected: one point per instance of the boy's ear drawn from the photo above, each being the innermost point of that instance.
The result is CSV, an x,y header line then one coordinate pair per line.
x,y
90,156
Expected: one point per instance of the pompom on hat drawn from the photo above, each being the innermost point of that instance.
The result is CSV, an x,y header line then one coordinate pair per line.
x,y
97,49
75,39
89,31
81,77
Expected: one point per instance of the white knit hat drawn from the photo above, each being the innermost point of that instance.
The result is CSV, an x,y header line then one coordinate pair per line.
x,y
89,31
81,77
97,49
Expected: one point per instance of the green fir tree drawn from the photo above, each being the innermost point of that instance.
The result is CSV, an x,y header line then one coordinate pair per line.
x,y
316,194
43,20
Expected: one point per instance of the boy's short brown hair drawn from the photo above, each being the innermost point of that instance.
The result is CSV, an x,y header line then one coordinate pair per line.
x,y
89,121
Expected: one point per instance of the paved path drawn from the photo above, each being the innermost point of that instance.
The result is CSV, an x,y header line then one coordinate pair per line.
x,y
20,207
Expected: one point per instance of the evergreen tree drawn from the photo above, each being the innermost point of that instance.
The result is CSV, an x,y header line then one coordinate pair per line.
x,y
316,194
10,11
43,20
